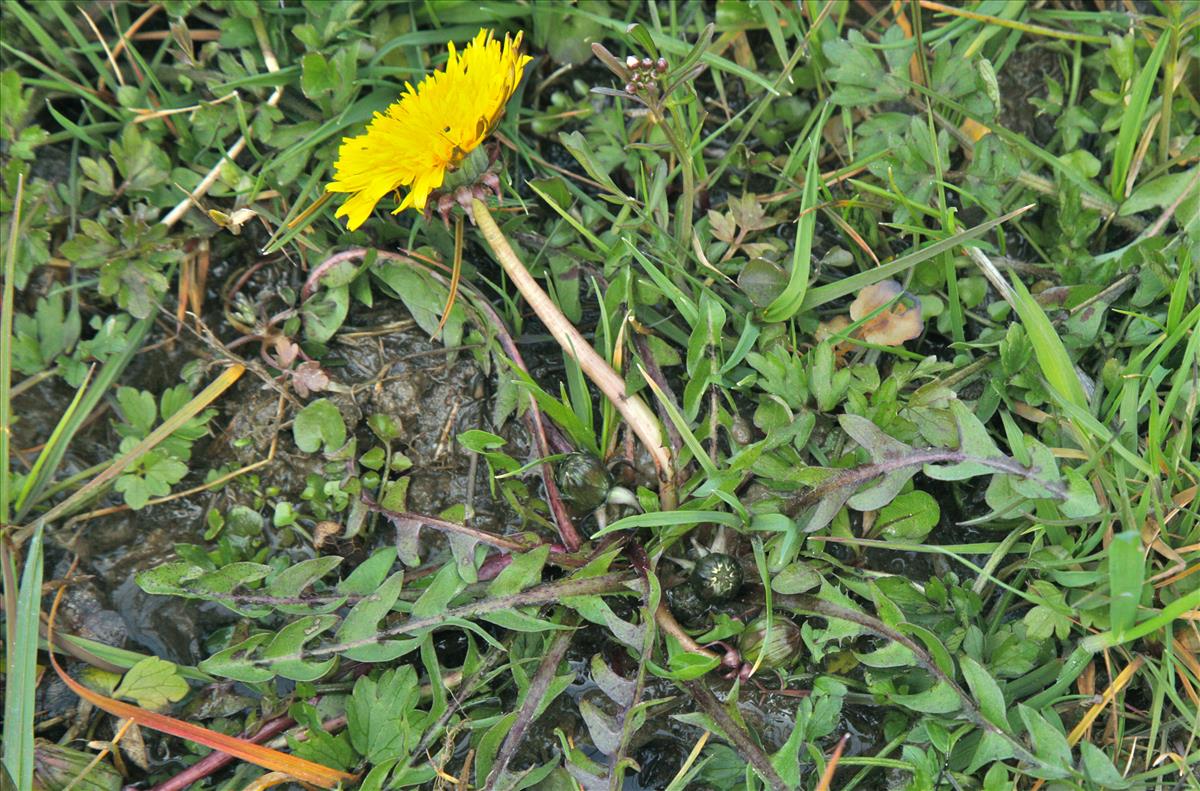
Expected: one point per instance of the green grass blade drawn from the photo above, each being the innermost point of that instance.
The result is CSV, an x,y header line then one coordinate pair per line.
x,y
855,283
109,372
86,48
57,82
681,425
1167,615
1051,354
682,302
577,391
670,519
1098,431
564,417
1135,116
1179,295
73,129
49,47
20,672
574,223
119,657
1126,574
56,437
784,306
6,325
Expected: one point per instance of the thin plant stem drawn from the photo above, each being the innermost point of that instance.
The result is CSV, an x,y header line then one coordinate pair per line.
x,y
687,168
6,352
1170,64
455,274
632,409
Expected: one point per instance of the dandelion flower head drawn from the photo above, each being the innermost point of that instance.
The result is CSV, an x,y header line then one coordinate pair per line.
x,y
430,129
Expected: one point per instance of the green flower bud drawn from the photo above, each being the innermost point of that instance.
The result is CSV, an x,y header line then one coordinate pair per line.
x,y
784,647
717,577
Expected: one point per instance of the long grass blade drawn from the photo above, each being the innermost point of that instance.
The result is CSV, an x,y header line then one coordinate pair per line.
x,y
1126,575
789,301
1135,116
20,672
168,427
1048,347
56,437
6,352
850,285
1183,607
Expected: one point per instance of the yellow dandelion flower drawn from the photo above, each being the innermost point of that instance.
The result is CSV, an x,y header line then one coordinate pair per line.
x,y
430,130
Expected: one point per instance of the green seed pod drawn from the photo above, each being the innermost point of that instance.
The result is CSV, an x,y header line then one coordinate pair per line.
x,y
685,604
782,650
584,482
717,577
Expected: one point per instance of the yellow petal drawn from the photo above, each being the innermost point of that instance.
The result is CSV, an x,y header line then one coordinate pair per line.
x,y
429,130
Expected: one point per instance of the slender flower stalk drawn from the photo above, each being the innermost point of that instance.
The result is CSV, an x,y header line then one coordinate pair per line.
x,y
635,412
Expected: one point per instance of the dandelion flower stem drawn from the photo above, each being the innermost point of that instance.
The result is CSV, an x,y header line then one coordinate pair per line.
x,y
635,412
455,274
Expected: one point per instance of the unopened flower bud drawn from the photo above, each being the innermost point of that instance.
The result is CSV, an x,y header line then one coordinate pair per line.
x,y
647,63
661,65
630,87
632,62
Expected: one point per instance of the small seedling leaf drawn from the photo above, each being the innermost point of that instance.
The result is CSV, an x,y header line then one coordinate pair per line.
x,y
319,425
152,683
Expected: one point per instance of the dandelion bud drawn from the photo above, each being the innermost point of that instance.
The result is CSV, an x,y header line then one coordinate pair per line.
x,y
783,649
717,577
631,61
584,482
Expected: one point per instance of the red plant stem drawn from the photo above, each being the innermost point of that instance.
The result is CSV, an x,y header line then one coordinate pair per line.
x,y
533,416
314,277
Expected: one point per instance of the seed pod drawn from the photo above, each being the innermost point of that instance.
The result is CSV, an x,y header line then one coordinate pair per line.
x,y
784,647
685,604
584,482
717,577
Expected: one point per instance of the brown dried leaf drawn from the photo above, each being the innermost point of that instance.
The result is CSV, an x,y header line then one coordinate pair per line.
x,y
828,329
309,378
724,227
836,326
286,351
749,213
893,325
